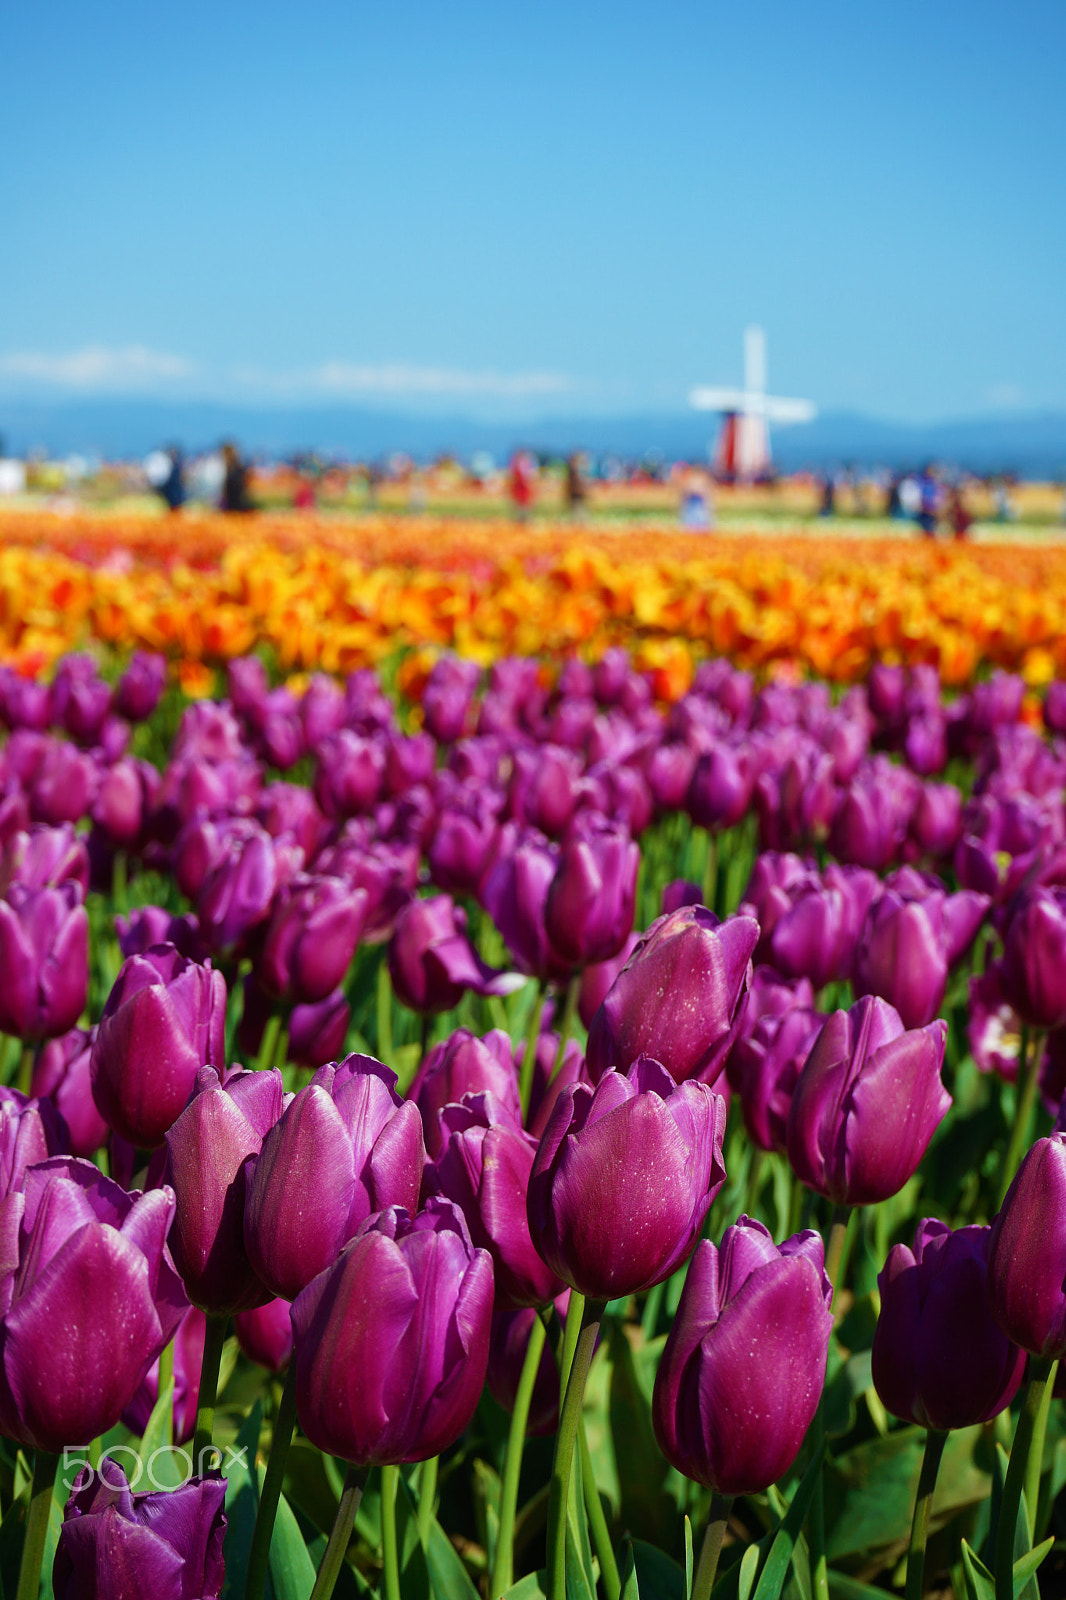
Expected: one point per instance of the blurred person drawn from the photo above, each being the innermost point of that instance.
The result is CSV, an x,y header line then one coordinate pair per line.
x,y
697,506
829,496
520,484
235,495
929,502
575,489
164,469
959,514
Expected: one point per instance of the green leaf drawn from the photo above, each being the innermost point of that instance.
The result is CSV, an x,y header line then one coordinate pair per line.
x,y
775,1571
414,1571
689,1568
227,1363
447,1575
980,1584
242,1502
630,1585
155,1431
292,1571
659,1577
869,1490
749,1566
844,1587
534,1586
1025,1568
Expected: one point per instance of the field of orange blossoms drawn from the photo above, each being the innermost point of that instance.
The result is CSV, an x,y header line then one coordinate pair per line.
x,y
333,595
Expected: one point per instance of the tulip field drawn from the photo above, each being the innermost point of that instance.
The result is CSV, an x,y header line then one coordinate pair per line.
x,y
532,1064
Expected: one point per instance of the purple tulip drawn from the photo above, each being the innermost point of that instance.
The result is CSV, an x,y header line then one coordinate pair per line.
x,y
90,1298
939,1359
901,957
149,925
167,1544
866,1104
588,913
777,879
464,842
345,1147
448,696
31,1131
764,1068
288,810
317,1031
44,956
464,1064
1027,1253
598,976
720,791
508,1344
545,792
207,1162
322,709
874,813
1034,958
432,962
164,1019
64,785
189,1339
743,1367
140,688
350,773
61,1072
392,1341
367,708
680,998
515,894
265,1334
386,869
937,820
484,1166
311,938
238,891
1055,707
44,857
670,773
26,704
624,1175
128,794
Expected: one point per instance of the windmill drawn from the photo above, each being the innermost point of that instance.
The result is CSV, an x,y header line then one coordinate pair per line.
x,y
743,448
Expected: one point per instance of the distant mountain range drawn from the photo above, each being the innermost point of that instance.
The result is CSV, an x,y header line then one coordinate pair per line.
x,y
1031,444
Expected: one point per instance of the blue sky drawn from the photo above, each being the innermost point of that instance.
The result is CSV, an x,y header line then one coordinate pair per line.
x,y
505,210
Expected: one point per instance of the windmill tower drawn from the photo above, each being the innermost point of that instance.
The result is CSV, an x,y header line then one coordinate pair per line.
x,y
743,449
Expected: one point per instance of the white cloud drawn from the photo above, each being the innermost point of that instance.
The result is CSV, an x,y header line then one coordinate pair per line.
x,y
338,378
96,367
1005,395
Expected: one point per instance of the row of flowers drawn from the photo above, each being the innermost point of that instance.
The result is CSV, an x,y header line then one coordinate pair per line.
x,y
483,977
336,595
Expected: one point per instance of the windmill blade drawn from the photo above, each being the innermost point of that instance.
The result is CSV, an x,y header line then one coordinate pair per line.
x,y
789,410
708,399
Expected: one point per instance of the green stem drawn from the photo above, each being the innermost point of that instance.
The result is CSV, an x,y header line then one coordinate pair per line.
x,y
717,1520
575,1312
923,1505
1036,1454
529,1053
384,1012
427,1496
390,1482
270,1494
601,1537
564,1444
24,1082
268,1047
566,1022
343,1522
710,871
816,1518
754,1180
841,1233
1028,1084
503,1565
166,1376
214,1339
1041,1375
44,1477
